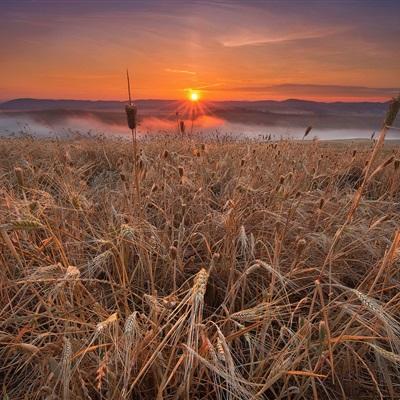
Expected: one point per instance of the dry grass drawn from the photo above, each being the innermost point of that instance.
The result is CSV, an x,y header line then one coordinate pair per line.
x,y
243,270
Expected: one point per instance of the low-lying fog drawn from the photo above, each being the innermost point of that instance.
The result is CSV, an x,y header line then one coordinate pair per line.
x,y
68,125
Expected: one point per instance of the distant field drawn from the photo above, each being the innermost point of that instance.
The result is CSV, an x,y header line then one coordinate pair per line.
x,y
215,270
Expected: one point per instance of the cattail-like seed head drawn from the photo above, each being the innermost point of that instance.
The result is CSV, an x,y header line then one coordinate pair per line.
x,y
307,131
392,111
301,244
322,333
396,164
321,203
19,175
131,114
182,127
242,162
354,153
173,252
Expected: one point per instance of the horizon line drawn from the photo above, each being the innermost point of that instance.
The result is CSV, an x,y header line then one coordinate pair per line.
x,y
204,101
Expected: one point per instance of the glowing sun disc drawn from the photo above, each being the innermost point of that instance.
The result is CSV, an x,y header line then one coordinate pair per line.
x,y
194,96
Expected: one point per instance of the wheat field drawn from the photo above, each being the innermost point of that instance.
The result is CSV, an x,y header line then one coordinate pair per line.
x,y
214,270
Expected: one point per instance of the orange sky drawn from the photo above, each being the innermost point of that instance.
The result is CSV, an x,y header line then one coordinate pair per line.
x,y
336,50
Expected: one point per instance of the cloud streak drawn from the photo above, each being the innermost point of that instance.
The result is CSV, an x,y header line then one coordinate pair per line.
x,y
180,71
313,90
249,39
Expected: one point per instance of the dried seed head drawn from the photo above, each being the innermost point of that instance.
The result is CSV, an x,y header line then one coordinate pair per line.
x,y
131,324
131,114
367,301
173,252
354,153
395,358
99,262
102,325
25,224
67,351
127,232
72,272
253,313
165,154
180,170
308,130
200,283
182,127
19,175
220,350
396,164
301,245
392,111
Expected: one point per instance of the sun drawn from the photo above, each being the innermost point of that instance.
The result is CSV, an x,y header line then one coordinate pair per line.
x,y
194,96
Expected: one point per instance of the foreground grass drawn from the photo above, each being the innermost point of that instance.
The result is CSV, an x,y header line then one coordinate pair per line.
x,y
234,272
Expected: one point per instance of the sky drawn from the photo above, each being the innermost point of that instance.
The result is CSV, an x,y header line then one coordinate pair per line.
x,y
326,50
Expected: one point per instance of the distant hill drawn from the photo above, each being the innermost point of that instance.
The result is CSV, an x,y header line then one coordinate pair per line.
x,y
49,104
286,113
290,106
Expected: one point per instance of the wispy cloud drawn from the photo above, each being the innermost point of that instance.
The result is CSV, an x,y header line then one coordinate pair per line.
x,y
180,71
250,39
311,90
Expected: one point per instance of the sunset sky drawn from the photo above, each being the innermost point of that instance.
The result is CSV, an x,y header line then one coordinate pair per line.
x,y
322,50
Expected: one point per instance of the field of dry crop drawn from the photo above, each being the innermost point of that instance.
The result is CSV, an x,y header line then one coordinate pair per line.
x,y
216,271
